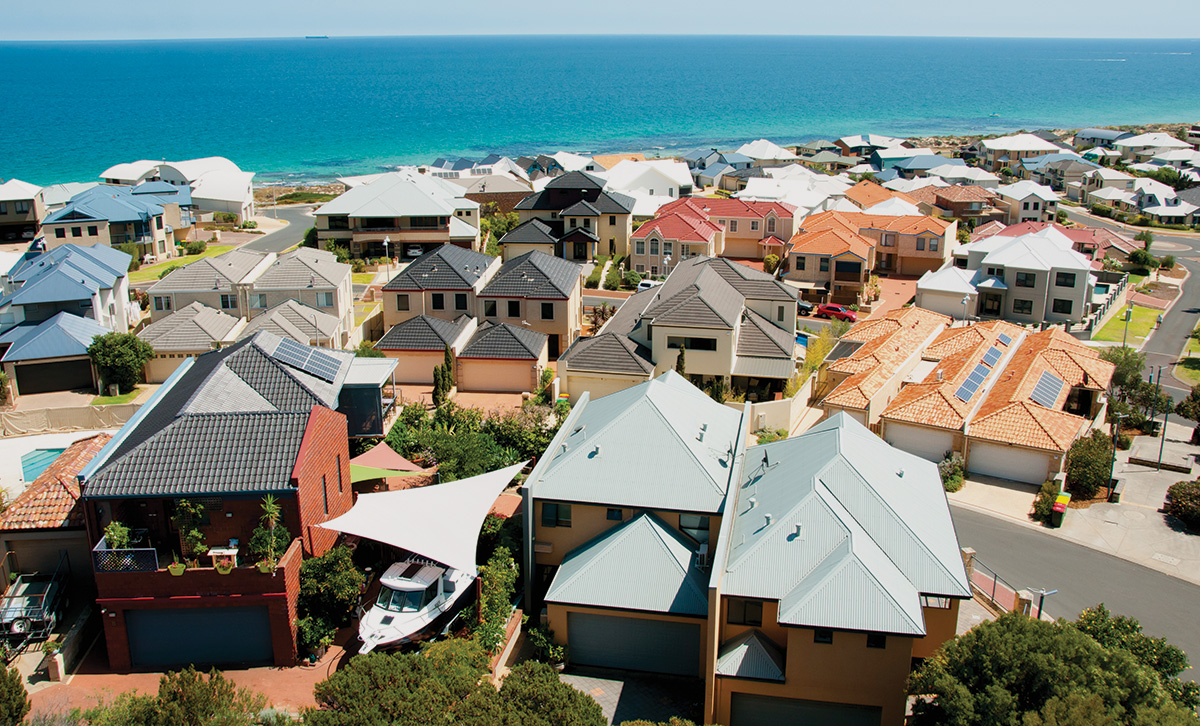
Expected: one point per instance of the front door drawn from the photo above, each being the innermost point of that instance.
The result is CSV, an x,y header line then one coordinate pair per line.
x,y
552,351
580,252
991,304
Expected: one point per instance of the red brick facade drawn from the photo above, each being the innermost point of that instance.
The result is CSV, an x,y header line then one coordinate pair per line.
x,y
322,478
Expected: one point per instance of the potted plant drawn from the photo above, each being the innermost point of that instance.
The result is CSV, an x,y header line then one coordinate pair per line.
x,y
266,566
187,518
546,650
176,567
55,666
223,565
315,635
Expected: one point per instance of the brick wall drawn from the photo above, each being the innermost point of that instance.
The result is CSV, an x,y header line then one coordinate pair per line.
x,y
322,478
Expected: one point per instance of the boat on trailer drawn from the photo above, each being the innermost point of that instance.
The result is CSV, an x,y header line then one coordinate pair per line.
x,y
415,596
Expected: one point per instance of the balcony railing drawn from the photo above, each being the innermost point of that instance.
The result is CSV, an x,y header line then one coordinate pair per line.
x,y
134,559
848,277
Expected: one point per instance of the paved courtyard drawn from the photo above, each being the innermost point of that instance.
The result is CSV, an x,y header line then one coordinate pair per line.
x,y
626,696
894,292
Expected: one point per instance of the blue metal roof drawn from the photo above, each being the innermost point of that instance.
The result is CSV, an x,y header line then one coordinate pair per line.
x,y
65,273
927,161
106,202
160,192
61,336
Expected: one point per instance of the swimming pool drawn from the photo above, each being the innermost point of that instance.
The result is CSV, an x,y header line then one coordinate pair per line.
x,y
1101,289
36,461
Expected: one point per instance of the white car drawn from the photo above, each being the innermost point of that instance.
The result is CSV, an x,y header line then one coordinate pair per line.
x,y
647,284
412,595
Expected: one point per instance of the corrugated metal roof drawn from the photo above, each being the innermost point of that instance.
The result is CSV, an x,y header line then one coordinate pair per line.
x,y
683,443
399,194
61,336
643,564
751,655
100,261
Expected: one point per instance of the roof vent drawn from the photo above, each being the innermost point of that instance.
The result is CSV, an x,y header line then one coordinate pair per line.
x,y
597,451
939,374
900,473
753,502
767,517
216,282
799,530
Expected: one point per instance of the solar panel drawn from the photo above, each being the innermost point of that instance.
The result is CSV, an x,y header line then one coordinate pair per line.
x,y
992,356
308,359
1004,339
965,391
1047,389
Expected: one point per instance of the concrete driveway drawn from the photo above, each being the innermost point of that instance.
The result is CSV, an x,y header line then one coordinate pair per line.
x,y
626,696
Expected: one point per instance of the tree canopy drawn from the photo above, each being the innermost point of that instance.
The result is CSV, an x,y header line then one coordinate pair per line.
x,y
120,358
186,698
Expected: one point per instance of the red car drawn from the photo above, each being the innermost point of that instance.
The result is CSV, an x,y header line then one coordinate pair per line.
x,y
841,312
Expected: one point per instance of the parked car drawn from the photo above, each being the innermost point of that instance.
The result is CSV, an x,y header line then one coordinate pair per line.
x,y
838,312
647,284
804,308
413,250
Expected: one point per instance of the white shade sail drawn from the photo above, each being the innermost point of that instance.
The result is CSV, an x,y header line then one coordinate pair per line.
x,y
441,522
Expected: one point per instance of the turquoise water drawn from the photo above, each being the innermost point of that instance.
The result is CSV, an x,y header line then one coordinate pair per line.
x,y
292,108
36,461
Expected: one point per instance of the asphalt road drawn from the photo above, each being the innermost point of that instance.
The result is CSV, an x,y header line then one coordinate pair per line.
x,y
1165,344
299,219
1027,558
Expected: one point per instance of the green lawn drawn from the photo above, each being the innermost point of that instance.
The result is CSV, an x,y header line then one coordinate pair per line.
x,y
1135,280
151,272
362,278
1188,370
1140,326
109,400
362,311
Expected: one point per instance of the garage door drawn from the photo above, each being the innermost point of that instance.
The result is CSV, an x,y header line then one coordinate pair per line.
x,y
1008,462
199,636
925,443
751,710
57,376
634,644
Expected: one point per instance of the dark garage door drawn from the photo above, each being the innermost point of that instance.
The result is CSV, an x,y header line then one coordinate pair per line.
x,y
752,710
634,644
58,376
200,636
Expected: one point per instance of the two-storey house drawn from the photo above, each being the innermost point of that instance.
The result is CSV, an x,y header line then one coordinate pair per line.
x,y
1004,152
673,236
538,292
831,265
972,204
576,219
908,244
1144,147
22,210
443,283
90,282
114,215
1027,201
751,229
1103,138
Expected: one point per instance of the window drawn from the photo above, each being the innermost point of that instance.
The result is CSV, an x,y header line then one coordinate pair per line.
x,y
3,207
514,308
653,247
76,231
933,244
402,302
1037,206
612,219
754,225
1064,279
158,223
587,223
229,302
439,301
668,248
940,603
162,303
258,301
733,225
615,515
824,264
556,515
93,230
1062,307
888,240
779,314
60,232
694,526
460,301
639,247
920,244
1026,279
489,308
744,612
639,268
1023,307
1025,206
325,493
341,486
876,640
960,263
709,344
800,263
21,207
547,311
823,635
771,225
324,299
574,223
339,222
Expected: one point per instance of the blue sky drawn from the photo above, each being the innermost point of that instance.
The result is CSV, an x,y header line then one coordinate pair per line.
x,y
93,19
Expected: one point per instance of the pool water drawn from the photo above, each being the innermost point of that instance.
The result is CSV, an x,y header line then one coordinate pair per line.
x,y
36,461
802,340
1101,289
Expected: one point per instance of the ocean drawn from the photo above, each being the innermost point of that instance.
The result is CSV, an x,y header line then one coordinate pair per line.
x,y
309,109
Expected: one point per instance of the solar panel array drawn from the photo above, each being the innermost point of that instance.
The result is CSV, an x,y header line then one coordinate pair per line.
x,y
308,359
1004,338
992,356
1047,389
972,384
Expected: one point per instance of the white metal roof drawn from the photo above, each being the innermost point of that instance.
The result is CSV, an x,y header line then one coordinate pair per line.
x,y
1026,188
1155,140
948,279
765,149
1020,142
894,207
15,190
132,170
399,194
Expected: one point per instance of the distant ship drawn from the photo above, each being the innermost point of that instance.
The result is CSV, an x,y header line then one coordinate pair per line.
x,y
316,37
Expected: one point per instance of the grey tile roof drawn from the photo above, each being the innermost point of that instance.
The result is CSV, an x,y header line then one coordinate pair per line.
x,y
446,268
264,375
208,454
533,231
628,316
642,564
608,353
752,283
292,319
852,520
536,275
422,332
584,185
210,273
696,296
504,340
580,209
576,180
751,655
191,328
303,267
684,444
759,337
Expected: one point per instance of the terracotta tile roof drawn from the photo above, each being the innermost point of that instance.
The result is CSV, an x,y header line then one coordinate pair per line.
x,y
924,195
867,193
859,221
888,342
831,242
707,207
52,500
987,230
681,225
964,193
1009,415
608,161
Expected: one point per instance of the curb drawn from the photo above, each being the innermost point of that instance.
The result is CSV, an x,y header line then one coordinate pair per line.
x,y
1131,228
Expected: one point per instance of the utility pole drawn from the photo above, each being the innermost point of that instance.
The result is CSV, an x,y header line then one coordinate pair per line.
x,y
1162,441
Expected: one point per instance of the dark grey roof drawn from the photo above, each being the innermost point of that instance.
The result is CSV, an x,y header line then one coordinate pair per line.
x,y
422,333
576,180
208,454
607,353
1191,196
266,376
580,209
533,231
502,340
752,283
694,295
748,173
557,195
446,268
759,337
534,274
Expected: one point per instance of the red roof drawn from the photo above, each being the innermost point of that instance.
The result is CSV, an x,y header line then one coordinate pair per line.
x,y
706,207
52,500
680,225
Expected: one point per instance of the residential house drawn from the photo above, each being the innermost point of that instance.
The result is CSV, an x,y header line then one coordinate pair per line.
x,y
737,324
766,153
401,214
969,204
751,229
709,165
1146,197
443,283
1095,243
22,210
1193,135
674,236
829,161
920,165
56,196
809,148
1031,279
864,145
868,193
908,244
705,519
1102,178
966,175
831,264
873,360
193,330
712,175
888,158
1006,151
1064,174
226,430
608,161
90,282
116,215
1103,138
739,179
658,178
502,357
504,191
419,343
51,355
583,219
216,183
1144,147
1026,201
537,292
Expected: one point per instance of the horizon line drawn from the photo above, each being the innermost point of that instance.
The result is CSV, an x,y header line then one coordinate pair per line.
x,y
590,35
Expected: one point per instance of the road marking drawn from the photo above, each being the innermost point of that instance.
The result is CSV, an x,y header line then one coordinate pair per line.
x,y
1165,558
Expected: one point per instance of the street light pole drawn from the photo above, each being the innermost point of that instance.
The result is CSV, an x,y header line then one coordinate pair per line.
x,y
1125,337
387,240
966,299
1043,593
1112,465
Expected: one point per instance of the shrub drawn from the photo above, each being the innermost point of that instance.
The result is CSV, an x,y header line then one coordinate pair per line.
x,y
612,279
631,279
1183,502
166,271
141,297
1124,441
497,583
1089,464
341,253
766,436
358,265
1043,505
196,246
544,647
329,586
4,391
952,471
224,217
1102,210
116,535
186,698
1061,216
135,256
14,699
770,264
120,358
366,350
249,224
313,633
310,238
1167,262
267,542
